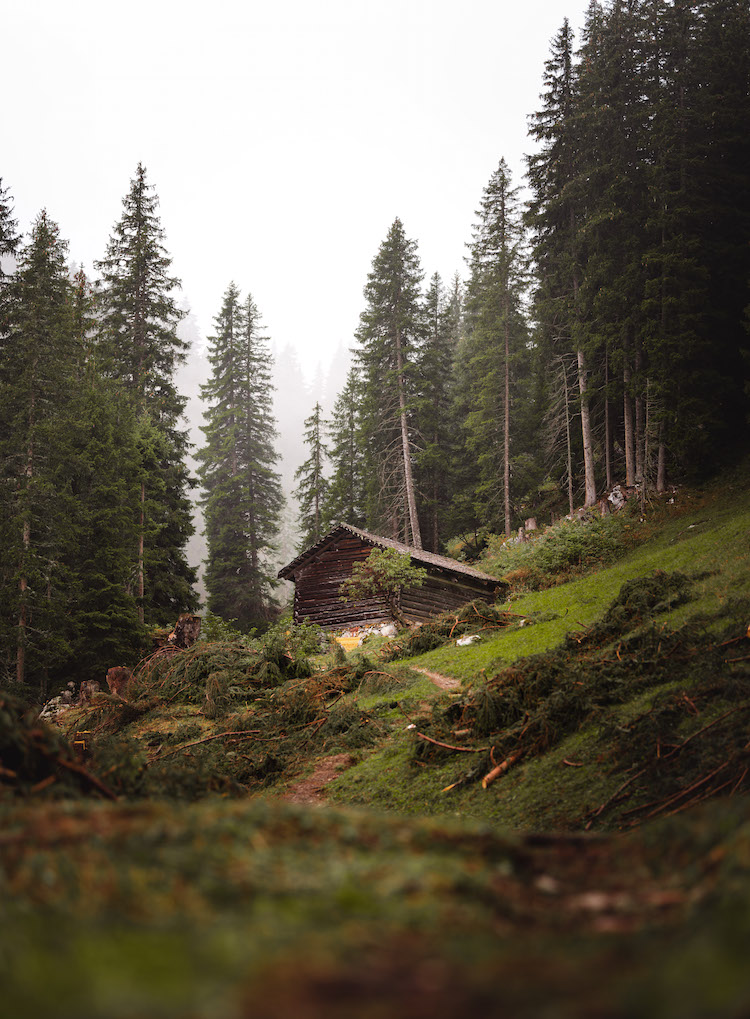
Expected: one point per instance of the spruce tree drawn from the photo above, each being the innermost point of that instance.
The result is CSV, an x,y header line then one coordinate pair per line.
x,y
242,490
556,214
36,380
140,349
97,481
312,483
9,238
9,241
344,501
711,403
498,340
434,403
389,334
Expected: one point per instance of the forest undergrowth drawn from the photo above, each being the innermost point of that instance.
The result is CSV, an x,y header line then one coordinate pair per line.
x,y
577,810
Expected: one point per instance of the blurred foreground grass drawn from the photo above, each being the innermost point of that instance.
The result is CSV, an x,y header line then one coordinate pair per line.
x,y
262,909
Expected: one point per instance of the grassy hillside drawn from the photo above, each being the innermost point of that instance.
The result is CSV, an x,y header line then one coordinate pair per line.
x,y
709,546
602,872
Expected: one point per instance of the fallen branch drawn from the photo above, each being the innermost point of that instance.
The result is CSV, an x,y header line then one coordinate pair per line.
x,y
491,776
732,640
698,799
44,784
739,782
613,797
238,732
84,773
705,728
670,800
449,746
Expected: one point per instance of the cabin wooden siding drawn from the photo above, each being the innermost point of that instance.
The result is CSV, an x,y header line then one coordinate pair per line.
x,y
317,590
318,577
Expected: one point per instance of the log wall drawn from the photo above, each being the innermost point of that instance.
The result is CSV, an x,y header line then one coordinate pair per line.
x,y
318,582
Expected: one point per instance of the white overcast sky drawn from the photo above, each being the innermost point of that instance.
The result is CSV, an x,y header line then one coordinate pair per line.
x,y
282,137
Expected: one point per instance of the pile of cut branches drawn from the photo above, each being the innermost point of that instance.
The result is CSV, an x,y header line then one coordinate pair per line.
x,y
474,617
691,743
36,758
248,739
274,739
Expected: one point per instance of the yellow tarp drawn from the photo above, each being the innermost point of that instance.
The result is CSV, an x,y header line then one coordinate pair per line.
x,y
347,643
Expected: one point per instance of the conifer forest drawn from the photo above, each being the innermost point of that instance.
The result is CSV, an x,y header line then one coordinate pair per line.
x,y
596,332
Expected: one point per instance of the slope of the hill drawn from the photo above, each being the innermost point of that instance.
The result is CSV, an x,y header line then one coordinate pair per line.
x,y
601,702
602,871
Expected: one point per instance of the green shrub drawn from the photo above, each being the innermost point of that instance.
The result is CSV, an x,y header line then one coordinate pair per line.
x,y
214,628
549,556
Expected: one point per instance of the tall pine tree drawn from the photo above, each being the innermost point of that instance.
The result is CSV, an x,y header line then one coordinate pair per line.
x,y
242,489
434,404
36,379
345,497
140,349
497,342
389,334
312,483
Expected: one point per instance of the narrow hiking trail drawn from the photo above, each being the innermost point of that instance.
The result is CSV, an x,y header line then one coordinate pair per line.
x,y
310,789
440,681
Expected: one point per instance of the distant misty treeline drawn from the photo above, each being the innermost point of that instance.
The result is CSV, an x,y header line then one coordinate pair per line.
x,y
598,334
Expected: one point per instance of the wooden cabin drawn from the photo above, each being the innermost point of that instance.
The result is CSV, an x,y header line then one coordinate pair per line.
x,y
319,572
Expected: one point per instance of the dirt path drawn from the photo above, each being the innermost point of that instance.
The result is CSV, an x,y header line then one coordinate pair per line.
x,y
310,789
443,682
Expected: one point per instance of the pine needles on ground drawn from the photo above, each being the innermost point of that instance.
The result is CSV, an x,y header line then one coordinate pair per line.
x,y
691,742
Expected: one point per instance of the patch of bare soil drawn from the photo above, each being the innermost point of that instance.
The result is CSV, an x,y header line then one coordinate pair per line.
x,y
310,789
441,681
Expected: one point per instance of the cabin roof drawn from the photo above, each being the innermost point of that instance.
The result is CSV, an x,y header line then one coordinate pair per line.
x,y
440,562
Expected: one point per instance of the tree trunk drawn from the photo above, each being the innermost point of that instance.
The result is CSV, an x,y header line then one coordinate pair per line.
x,y
141,572
23,583
588,444
640,418
435,513
406,449
627,407
22,616
607,426
506,425
661,463
568,442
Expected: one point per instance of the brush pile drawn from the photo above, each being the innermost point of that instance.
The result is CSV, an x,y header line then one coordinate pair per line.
x,y
475,617
227,717
690,741
36,758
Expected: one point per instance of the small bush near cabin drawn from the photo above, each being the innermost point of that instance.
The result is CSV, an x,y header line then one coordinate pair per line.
x,y
552,556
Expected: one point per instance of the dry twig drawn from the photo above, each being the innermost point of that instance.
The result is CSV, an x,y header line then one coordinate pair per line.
x,y
449,746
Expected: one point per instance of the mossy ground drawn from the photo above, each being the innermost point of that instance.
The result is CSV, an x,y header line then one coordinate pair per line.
x,y
263,909
402,899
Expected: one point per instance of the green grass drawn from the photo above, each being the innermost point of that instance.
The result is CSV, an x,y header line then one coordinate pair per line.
x,y
711,541
715,540
265,910
403,899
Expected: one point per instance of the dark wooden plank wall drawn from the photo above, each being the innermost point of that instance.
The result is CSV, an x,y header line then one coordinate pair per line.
x,y
442,593
317,585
